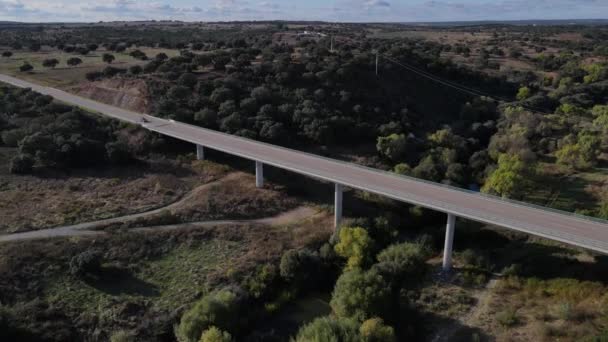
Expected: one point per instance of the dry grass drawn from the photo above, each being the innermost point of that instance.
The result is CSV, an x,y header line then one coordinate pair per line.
x,y
36,202
64,76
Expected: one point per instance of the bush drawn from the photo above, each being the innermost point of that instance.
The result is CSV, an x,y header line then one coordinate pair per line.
x,y
507,318
12,137
361,295
22,164
374,330
355,245
329,329
219,308
122,336
263,281
25,67
299,266
214,334
401,260
88,262
94,75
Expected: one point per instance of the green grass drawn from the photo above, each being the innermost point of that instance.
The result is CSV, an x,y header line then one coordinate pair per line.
x,y
170,281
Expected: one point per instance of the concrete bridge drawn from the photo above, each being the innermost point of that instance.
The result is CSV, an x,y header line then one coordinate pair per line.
x,y
551,224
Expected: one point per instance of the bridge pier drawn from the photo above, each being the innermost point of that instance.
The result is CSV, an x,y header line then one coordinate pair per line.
x,y
259,174
200,152
338,205
449,241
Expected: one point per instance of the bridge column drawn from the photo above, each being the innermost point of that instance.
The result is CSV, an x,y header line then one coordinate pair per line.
x,y
338,205
200,152
449,240
259,174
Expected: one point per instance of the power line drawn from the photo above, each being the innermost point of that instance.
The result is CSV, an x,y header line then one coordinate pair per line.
x,y
457,86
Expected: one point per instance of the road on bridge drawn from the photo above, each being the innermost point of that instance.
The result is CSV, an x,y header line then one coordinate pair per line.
x,y
571,229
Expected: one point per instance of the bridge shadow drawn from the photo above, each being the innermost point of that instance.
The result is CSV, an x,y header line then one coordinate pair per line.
x,y
535,257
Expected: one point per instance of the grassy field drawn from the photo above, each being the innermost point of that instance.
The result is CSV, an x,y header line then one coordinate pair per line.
x,y
64,76
169,280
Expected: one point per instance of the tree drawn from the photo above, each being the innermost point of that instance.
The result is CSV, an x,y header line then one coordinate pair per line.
x,y
523,93
399,261
74,61
355,245
402,169
299,266
393,146
214,334
329,329
510,177
219,308
87,262
50,63
161,57
361,295
7,54
188,80
22,164
374,330
25,67
135,70
108,58
206,117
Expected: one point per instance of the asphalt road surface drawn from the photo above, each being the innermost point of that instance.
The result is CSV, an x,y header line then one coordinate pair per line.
x,y
575,230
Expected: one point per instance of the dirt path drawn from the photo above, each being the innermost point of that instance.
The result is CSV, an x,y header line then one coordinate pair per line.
x,y
88,228
483,297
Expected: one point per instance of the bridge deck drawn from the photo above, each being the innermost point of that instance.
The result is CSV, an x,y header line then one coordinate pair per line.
x,y
575,230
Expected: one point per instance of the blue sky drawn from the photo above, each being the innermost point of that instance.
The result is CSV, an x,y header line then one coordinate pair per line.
x,y
328,10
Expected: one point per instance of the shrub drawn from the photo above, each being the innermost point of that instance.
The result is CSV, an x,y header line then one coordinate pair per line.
x,y
122,336
299,266
94,75
355,245
219,308
374,330
25,67
22,164
401,260
214,334
12,137
329,329
262,281
88,262
361,295
507,318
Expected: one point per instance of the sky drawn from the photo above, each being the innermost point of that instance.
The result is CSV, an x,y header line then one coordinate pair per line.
x,y
325,10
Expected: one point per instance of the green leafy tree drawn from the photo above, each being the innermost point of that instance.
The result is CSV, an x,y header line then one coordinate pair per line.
x,y
510,177
355,245
108,58
580,155
329,329
403,169
74,61
299,266
361,295
402,260
524,93
393,147
219,308
50,63
374,330
25,67
213,334
22,164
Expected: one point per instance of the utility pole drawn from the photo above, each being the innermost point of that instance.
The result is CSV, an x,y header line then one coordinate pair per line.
x,y
376,62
